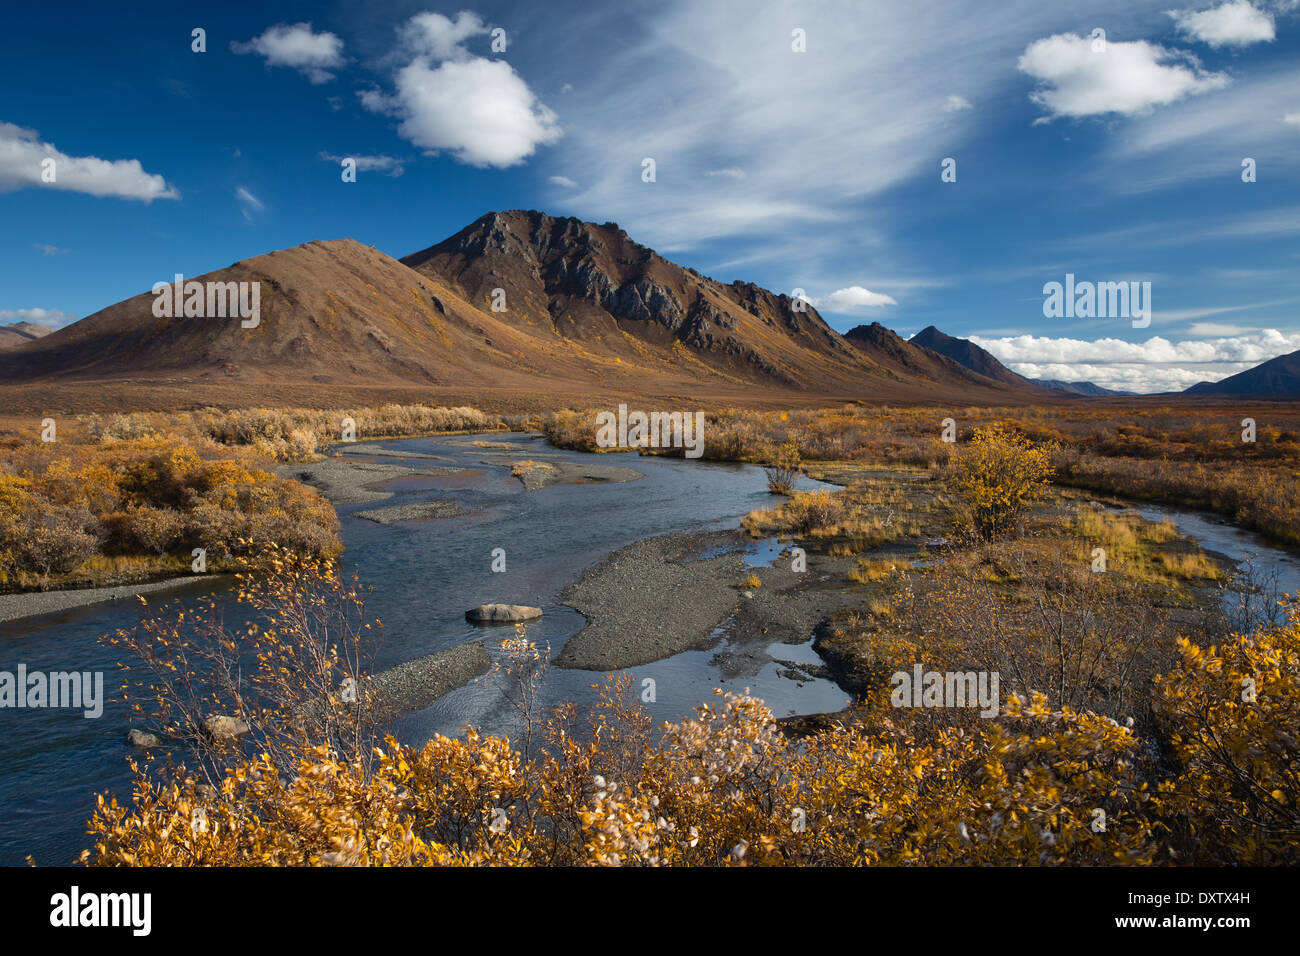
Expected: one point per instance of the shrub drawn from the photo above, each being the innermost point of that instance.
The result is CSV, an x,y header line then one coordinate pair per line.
x,y
997,476
782,475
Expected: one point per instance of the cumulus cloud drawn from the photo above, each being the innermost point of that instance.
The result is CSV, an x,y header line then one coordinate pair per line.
x,y
1127,77
440,37
564,181
954,103
52,318
854,297
46,249
449,100
22,154
1156,365
1236,23
389,165
297,47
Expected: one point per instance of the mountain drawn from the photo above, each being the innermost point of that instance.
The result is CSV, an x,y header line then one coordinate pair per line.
x,y
1077,388
1276,378
20,333
578,282
968,354
907,358
330,312
539,310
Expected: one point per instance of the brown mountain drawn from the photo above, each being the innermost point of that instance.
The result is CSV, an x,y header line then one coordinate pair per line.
x,y
20,333
968,354
583,313
890,350
1277,378
579,282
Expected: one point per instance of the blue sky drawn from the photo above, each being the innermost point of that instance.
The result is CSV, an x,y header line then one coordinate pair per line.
x,y
820,169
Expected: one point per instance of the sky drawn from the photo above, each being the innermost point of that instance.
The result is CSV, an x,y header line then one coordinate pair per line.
x,y
909,162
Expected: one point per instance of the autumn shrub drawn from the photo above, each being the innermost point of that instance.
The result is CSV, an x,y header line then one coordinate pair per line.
x,y
1035,785
1231,715
782,475
996,477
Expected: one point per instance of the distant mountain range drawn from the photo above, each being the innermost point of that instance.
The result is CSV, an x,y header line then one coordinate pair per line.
x,y
1277,377
524,304
516,301
20,333
980,360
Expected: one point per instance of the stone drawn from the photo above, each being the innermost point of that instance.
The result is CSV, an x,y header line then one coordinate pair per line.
x,y
142,738
502,613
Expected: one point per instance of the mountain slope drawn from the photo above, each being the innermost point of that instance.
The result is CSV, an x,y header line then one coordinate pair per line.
x,y
1090,389
582,282
1278,377
20,333
583,311
890,350
968,354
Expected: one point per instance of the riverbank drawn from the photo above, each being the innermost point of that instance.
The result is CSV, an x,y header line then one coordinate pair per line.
x,y
671,593
35,603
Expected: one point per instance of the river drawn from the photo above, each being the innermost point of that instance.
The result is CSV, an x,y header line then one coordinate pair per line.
x,y
424,575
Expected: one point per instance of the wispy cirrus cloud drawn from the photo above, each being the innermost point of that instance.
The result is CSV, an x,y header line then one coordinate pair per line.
x,y
388,165
248,203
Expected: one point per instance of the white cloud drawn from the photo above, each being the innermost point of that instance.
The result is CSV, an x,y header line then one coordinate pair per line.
x,y
391,165
479,110
1236,23
248,203
954,103
564,181
823,137
296,46
1292,118
22,152
46,249
1158,364
854,297
434,35
730,172
1207,329
48,317
1126,77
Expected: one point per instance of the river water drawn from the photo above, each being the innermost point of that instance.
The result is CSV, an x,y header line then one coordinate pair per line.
x,y
424,575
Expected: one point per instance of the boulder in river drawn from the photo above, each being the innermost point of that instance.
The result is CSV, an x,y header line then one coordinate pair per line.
x,y
142,738
502,613
222,727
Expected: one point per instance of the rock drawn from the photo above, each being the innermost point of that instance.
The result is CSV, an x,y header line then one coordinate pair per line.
x,y
502,613
142,738
221,727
